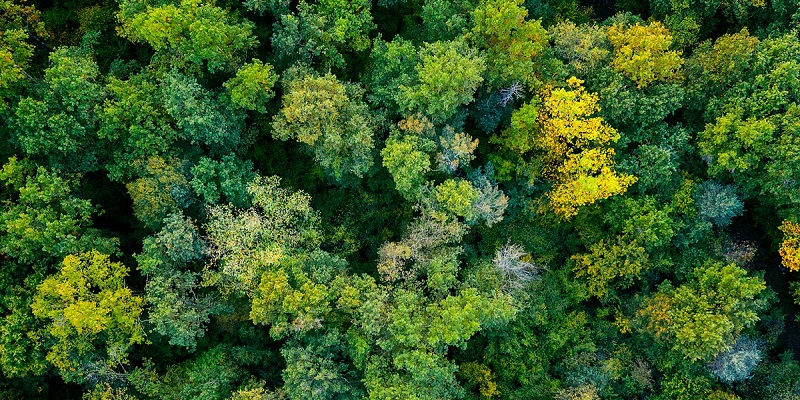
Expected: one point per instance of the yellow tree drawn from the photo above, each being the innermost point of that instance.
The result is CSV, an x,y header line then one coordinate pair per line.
x,y
571,148
642,53
790,247
89,307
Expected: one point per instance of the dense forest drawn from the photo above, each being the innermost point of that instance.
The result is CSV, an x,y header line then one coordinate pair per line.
x,y
399,199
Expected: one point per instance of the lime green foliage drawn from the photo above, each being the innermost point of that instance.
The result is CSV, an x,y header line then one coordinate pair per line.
x,y
513,44
457,196
193,31
642,53
251,88
701,318
408,163
448,75
331,118
94,317
406,155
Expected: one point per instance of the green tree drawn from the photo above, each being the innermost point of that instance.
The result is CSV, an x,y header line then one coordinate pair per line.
x,y
59,125
447,77
177,306
331,118
192,32
322,32
251,88
19,24
702,317
227,179
513,44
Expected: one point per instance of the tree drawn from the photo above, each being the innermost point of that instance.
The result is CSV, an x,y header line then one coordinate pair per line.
x,y
457,197
251,88
191,33
513,44
162,190
322,32
642,53
406,155
790,246
47,221
737,363
227,179
270,254
615,263
717,203
198,116
447,77
584,48
214,374
702,317
136,122
569,148
331,118
19,24
93,316
59,124
178,307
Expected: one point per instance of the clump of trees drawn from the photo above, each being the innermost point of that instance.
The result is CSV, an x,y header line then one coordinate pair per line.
x,y
344,199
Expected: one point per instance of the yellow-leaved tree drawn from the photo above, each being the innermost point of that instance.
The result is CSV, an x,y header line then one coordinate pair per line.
x,y
562,140
790,247
94,317
641,52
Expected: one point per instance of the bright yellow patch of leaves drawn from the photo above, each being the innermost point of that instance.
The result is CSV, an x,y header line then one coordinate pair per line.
x,y
642,53
790,247
576,154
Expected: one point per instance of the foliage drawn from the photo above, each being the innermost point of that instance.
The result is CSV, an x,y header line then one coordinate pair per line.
x,y
573,200
700,319
448,75
251,88
89,307
331,118
512,44
790,247
193,32
738,362
642,53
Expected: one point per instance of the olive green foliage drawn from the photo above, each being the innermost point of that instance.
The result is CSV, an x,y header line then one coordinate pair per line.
x,y
331,118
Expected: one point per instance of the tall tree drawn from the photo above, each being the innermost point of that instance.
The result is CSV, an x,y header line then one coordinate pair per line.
x,y
331,118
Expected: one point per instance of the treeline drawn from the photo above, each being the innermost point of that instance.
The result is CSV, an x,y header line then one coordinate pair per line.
x,y
400,199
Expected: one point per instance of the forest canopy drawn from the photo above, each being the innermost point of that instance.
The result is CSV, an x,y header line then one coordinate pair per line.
x,y
399,199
